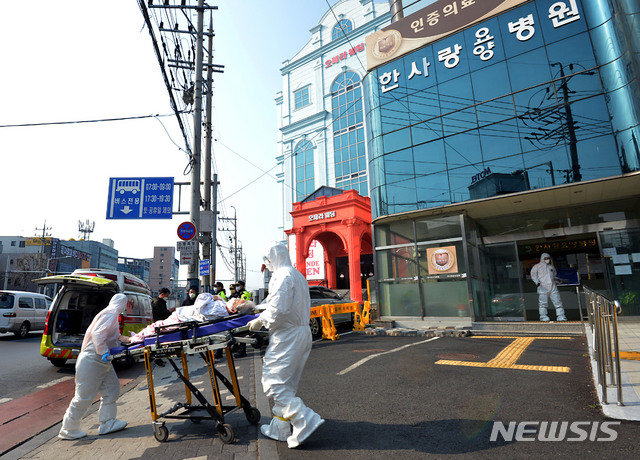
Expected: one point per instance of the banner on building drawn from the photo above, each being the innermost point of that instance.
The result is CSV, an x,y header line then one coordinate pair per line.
x,y
315,269
442,260
431,23
37,241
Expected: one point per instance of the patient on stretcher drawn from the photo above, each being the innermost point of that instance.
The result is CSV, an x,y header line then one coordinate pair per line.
x,y
206,307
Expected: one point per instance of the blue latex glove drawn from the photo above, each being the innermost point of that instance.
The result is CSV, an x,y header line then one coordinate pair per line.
x,y
106,357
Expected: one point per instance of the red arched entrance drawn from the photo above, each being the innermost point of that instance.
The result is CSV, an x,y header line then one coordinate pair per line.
x,y
341,222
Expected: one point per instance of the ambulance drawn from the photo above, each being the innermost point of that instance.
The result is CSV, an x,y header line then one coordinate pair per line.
x,y
80,297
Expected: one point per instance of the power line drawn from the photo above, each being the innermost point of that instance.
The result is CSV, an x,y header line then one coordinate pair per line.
x,y
97,120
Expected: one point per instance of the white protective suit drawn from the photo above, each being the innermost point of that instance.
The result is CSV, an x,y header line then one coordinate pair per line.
x,y
286,316
95,375
544,275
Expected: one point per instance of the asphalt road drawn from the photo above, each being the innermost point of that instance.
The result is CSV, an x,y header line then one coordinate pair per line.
x,y
23,368
403,404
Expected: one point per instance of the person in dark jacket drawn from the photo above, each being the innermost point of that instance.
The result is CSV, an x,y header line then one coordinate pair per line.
x,y
191,298
159,305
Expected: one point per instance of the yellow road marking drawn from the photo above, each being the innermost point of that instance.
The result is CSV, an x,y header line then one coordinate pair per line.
x,y
507,358
630,355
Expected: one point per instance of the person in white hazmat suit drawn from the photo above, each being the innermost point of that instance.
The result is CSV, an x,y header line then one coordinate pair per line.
x,y
286,316
544,275
95,374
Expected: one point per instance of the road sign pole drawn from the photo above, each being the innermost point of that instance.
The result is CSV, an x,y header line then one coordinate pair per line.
x,y
197,144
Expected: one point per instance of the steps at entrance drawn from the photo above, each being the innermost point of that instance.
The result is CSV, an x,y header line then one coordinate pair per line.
x,y
528,328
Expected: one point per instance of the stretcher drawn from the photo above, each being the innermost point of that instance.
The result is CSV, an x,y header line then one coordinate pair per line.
x,y
202,338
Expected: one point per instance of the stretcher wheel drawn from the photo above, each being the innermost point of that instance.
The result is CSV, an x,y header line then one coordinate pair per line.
x,y
225,433
253,415
161,433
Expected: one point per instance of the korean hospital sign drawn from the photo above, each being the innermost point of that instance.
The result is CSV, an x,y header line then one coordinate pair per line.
x,y
436,21
483,47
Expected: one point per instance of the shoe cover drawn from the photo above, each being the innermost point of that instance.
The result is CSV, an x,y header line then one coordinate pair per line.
x,y
300,434
70,435
278,429
561,318
111,426
544,318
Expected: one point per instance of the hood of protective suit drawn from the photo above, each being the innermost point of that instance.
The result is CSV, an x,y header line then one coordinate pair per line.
x,y
103,332
544,254
278,255
117,304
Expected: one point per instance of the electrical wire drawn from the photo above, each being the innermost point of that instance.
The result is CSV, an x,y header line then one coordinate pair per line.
x,y
96,120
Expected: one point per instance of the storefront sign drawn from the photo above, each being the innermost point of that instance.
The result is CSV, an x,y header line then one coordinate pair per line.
x,y
322,215
442,260
480,175
344,55
561,246
315,261
37,241
73,253
437,20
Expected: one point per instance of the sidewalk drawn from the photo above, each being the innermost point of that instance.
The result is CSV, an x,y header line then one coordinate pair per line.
x,y
186,439
629,342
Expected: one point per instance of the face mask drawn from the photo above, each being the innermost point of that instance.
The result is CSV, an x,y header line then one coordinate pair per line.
x,y
547,261
192,295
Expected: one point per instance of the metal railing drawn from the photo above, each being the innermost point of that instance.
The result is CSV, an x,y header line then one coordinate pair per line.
x,y
603,321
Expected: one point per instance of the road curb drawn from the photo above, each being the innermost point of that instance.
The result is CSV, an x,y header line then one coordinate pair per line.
x,y
31,444
267,448
406,332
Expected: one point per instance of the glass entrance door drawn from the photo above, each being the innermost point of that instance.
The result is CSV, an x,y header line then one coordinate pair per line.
x,y
501,282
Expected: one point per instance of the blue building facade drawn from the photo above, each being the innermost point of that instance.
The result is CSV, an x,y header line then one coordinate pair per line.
x,y
516,135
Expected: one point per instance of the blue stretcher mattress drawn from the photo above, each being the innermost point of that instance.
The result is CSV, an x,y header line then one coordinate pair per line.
x,y
186,334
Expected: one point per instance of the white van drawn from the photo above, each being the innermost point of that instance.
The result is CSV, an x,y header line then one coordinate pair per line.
x,y
21,312
81,296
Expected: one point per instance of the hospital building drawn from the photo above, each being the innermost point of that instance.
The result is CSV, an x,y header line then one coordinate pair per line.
x,y
494,131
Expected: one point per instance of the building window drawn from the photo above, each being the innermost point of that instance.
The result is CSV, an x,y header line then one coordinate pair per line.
x,y
343,27
301,97
13,243
348,133
303,154
22,244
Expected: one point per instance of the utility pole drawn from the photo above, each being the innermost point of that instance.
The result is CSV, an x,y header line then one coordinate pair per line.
x,y
235,246
573,147
42,254
214,228
234,219
197,147
209,237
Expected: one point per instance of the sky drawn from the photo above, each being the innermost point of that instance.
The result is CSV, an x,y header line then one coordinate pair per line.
x,y
85,60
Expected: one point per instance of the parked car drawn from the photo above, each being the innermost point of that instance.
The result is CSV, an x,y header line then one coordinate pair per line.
x,y
21,312
82,295
321,295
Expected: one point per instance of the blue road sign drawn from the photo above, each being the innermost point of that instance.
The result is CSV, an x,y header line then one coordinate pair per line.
x,y
140,198
205,267
186,231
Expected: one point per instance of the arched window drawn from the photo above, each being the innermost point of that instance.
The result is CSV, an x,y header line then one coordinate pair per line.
x,y
342,27
348,133
303,154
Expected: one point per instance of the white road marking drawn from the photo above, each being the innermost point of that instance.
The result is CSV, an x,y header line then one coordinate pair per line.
x,y
230,397
364,360
4,400
53,382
